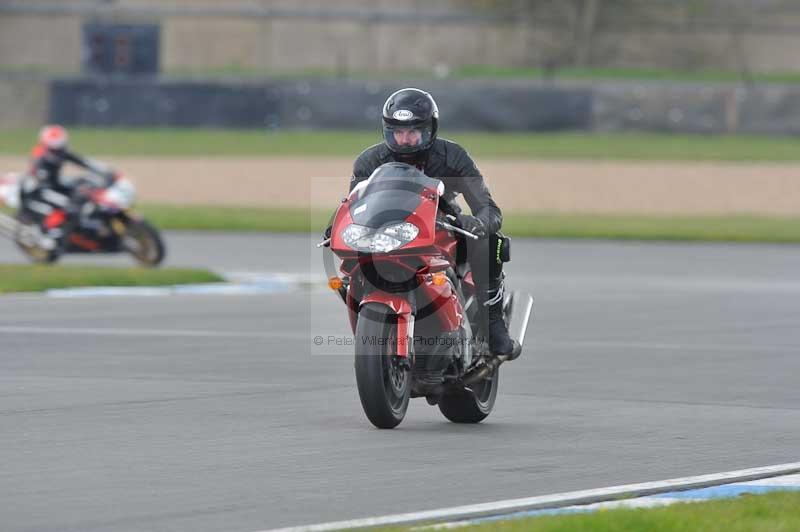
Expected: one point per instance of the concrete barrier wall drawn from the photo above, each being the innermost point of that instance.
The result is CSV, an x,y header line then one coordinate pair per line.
x,y
314,104
386,36
23,102
28,101
690,108
496,106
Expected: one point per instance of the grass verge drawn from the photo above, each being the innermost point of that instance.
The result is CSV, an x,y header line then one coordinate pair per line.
x,y
723,228
37,278
255,219
148,142
773,512
468,72
623,74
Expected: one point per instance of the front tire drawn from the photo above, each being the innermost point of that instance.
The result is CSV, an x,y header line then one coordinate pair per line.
x,y
463,407
383,387
144,243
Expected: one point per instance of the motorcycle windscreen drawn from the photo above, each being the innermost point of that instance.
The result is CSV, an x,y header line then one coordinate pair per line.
x,y
390,199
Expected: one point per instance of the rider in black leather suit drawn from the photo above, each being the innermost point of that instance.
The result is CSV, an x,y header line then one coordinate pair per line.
x,y
410,123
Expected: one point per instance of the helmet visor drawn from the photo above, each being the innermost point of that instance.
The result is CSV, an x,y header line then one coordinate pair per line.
x,y
408,138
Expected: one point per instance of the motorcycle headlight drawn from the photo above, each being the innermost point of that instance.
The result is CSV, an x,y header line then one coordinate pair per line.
x,y
405,232
383,240
121,193
356,236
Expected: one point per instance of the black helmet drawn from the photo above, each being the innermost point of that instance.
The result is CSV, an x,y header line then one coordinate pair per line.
x,y
410,122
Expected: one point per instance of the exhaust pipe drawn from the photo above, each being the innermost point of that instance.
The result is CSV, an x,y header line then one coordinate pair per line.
x,y
486,370
519,313
520,309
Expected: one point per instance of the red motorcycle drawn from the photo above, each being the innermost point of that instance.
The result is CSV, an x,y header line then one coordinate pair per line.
x,y
411,300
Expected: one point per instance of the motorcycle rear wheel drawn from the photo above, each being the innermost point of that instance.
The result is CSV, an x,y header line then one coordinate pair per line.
x,y
35,253
464,407
383,387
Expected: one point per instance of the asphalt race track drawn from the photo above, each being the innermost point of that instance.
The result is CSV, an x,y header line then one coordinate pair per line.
x,y
210,413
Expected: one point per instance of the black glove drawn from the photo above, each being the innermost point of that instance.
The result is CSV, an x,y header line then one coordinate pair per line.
x,y
472,224
327,235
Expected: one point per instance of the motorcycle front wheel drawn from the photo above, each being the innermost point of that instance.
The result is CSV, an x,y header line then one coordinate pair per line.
x,y
384,387
144,243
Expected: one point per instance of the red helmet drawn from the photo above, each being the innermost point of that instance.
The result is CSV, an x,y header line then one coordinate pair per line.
x,y
53,137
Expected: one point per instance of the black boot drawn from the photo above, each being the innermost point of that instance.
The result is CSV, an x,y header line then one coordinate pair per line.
x,y
500,343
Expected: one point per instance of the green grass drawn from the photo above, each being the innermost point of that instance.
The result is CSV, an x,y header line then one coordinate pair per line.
x,y
722,228
494,72
771,512
238,71
36,278
226,143
214,218
234,70
624,74
729,228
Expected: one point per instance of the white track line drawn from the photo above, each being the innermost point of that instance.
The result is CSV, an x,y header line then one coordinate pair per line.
x,y
662,346
99,331
558,500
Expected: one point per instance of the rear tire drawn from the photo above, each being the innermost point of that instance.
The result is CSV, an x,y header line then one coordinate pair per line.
x,y
34,253
463,407
144,243
383,387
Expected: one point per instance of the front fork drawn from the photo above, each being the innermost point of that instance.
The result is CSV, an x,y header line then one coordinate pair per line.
x,y
403,310
438,291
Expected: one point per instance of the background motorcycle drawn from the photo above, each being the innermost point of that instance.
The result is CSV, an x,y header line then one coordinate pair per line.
x,y
101,221
411,300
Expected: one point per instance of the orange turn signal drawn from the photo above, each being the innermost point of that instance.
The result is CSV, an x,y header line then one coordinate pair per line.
x,y
438,278
334,283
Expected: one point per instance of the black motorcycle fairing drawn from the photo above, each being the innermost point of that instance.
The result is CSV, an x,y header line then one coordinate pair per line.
x,y
388,198
106,238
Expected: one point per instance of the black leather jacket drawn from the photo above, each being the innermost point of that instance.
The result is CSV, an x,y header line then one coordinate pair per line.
x,y
46,166
446,161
